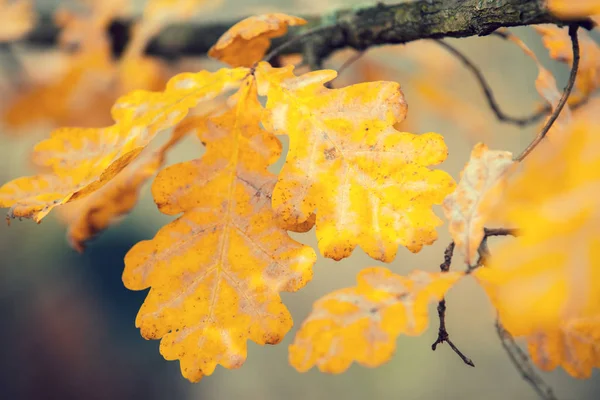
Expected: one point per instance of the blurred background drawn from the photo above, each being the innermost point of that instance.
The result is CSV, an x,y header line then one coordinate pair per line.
x,y
67,322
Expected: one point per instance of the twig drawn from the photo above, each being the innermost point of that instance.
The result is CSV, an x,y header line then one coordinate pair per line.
x,y
563,99
297,39
483,250
351,60
522,363
441,308
489,94
500,232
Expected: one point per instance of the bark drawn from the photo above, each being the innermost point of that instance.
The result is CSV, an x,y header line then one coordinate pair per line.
x,y
358,27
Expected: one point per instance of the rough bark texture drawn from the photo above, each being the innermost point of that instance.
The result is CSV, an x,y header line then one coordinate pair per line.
x,y
358,28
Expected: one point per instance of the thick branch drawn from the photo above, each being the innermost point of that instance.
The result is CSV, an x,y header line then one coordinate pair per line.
x,y
358,28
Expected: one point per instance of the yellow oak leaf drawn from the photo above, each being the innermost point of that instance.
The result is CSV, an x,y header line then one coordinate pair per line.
x,y
216,272
246,42
574,8
79,96
369,182
362,323
558,43
575,346
549,273
17,18
94,213
83,160
467,207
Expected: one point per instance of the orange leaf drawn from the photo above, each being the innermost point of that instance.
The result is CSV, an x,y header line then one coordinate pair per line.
x,y
558,43
93,214
549,274
575,346
467,207
369,182
246,42
362,323
574,8
216,272
17,18
83,160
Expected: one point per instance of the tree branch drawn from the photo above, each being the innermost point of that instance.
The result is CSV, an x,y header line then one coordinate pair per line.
x,y
358,27
523,365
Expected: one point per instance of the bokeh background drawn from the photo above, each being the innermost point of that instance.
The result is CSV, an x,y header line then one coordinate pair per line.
x,y
67,323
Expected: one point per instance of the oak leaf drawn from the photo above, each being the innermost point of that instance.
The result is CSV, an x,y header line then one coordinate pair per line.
x,y
466,208
216,272
575,346
17,18
83,160
362,323
246,42
94,213
558,43
549,274
369,182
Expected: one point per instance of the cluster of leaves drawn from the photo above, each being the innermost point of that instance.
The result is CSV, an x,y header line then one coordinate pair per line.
x,y
216,272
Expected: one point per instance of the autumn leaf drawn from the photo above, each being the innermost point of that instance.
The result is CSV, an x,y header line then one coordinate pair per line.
x,y
94,213
575,346
467,207
558,43
548,274
362,323
369,182
216,272
83,160
78,96
169,11
545,84
246,42
574,8
17,18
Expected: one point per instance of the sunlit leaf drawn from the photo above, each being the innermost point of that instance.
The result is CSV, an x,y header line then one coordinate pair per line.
x,y
17,18
467,207
362,323
83,160
549,274
575,346
574,8
216,272
246,42
94,213
368,182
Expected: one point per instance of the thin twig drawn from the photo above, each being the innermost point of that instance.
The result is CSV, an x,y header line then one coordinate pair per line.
x,y
500,232
522,363
441,308
487,90
351,60
295,39
489,94
565,96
